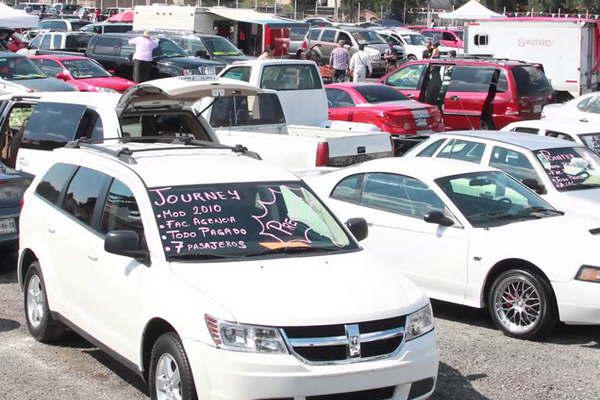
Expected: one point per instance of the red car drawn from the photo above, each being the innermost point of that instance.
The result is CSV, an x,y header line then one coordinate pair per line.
x,y
82,72
475,93
445,37
382,106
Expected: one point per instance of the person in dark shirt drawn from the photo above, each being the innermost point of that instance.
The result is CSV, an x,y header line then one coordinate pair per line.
x,y
428,51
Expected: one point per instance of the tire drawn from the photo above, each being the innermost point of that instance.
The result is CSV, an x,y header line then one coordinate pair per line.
x,y
522,304
486,124
167,357
40,323
411,57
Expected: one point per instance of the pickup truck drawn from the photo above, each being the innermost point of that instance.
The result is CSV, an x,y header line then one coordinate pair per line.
x,y
258,122
73,43
299,86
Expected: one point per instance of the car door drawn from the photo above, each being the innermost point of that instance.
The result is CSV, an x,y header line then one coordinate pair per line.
x,y
114,315
434,257
341,106
408,80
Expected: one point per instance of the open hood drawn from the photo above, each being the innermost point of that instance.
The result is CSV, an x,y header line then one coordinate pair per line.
x,y
180,92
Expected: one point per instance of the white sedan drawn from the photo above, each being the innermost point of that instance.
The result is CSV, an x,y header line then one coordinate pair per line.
x,y
585,108
473,235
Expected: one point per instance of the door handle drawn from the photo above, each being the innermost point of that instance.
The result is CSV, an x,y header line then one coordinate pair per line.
x,y
51,229
93,257
454,98
584,120
410,96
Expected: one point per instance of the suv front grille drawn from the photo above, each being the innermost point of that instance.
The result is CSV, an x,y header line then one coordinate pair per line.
x,y
347,343
373,394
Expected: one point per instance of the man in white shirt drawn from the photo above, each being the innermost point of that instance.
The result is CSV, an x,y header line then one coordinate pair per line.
x,y
360,64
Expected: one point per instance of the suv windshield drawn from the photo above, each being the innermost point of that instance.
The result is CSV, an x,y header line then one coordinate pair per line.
x,y
81,69
17,68
531,81
219,46
571,168
244,220
493,198
379,93
368,37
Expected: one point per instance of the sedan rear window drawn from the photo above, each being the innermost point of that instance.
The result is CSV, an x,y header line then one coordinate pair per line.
x,y
379,93
531,81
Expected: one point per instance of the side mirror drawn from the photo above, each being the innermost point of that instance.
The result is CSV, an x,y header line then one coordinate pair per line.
x,y
358,227
62,76
438,217
534,185
125,243
202,54
111,71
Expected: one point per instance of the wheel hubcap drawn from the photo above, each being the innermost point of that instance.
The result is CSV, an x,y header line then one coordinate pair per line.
x,y
35,301
517,305
168,380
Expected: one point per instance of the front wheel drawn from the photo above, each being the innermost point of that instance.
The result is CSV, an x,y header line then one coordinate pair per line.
x,y
522,304
170,373
40,323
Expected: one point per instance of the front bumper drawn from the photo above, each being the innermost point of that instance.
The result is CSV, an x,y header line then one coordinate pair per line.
x,y
578,302
228,375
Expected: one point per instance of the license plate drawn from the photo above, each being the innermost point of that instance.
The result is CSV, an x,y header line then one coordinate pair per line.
x,y
537,108
7,226
421,122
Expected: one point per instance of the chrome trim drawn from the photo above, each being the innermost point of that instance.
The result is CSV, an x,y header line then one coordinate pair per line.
x,y
319,342
382,335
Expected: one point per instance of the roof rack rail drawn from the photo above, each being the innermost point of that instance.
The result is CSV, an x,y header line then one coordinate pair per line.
x,y
125,154
486,57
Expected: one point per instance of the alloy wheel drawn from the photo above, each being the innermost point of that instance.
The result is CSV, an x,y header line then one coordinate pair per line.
x,y
35,301
168,379
517,304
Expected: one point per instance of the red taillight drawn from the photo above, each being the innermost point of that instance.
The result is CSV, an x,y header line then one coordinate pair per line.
x,y
322,154
304,45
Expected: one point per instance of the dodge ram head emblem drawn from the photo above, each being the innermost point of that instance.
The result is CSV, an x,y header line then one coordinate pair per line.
x,y
353,335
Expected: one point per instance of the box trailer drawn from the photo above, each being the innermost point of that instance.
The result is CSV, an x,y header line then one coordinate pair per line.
x,y
249,30
568,48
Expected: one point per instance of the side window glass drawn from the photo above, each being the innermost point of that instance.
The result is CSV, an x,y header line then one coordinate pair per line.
x,y
328,36
560,135
56,41
338,98
513,163
408,78
344,36
463,150
430,150
54,182
238,73
348,189
400,194
82,194
107,46
314,34
121,211
531,131
502,82
448,36
90,126
471,79
45,42
582,105
52,125
593,106
35,43
49,67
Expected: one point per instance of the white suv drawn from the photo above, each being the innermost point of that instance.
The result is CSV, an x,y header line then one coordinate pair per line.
x,y
217,276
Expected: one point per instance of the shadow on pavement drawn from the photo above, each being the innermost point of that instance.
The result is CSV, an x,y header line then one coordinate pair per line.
x,y
7,325
8,267
451,385
464,314
122,372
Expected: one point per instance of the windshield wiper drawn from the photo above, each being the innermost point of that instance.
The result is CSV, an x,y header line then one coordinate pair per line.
x,y
203,256
530,210
291,250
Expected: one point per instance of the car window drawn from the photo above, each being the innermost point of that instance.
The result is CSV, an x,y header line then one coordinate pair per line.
x,y
337,98
560,135
592,141
531,81
328,36
593,105
77,41
52,125
514,163
55,181
471,79
45,45
314,34
400,194
464,150
297,33
291,77
82,194
56,41
430,150
35,43
107,46
344,36
532,131
407,78
121,211
349,188
379,93
264,109
582,105
238,73
448,36
49,67
168,48
182,123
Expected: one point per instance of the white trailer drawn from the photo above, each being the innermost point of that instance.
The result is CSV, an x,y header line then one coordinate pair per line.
x,y
566,47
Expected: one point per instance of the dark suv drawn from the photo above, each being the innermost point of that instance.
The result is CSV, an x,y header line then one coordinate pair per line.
x,y
115,53
475,93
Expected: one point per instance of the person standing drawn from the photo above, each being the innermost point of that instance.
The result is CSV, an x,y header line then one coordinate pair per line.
x,y
142,57
360,64
340,61
390,55
267,54
428,50
435,53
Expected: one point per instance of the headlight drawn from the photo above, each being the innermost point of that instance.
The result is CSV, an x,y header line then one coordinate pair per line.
x,y
588,274
248,338
105,90
419,323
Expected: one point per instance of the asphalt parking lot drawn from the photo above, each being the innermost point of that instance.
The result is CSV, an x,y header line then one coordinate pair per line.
x,y
477,362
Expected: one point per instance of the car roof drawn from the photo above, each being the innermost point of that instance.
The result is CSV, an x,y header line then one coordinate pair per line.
x,y
10,54
277,61
58,57
529,142
93,99
558,125
423,168
183,166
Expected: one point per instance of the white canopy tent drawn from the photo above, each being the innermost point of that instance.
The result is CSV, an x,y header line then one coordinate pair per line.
x,y
11,18
471,10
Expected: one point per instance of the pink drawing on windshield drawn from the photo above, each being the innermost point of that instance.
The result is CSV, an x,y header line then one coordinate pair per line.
x,y
280,230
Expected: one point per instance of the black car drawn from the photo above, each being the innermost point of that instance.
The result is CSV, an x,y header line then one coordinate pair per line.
x,y
110,27
12,186
212,47
114,52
